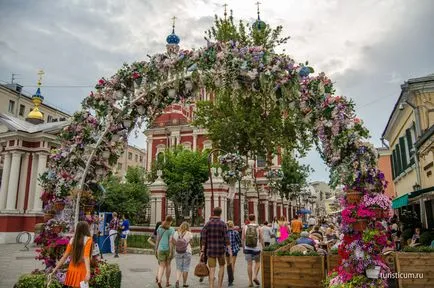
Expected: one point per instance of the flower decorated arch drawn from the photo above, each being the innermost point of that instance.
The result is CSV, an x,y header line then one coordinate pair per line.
x,y
139,92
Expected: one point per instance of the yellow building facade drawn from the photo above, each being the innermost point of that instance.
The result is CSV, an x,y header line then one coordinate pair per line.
x,y
409,132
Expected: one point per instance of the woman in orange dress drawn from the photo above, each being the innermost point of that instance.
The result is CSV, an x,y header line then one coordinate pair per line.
x,y
79,248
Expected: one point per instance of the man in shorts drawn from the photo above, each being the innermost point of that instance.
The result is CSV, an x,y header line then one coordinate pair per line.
x,y
253,242
215,239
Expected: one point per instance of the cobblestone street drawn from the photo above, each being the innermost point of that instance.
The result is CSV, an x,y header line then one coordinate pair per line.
x,y
138,270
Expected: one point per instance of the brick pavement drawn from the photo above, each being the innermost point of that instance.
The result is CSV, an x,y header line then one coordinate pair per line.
x,y
138,270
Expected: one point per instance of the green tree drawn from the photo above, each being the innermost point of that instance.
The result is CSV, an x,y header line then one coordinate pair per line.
x,y
128,198
184,172
294,176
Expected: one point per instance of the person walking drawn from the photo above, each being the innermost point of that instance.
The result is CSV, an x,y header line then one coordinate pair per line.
x,y
215,239
267,234
113,232
181,239
163,249
253,242
275,228
283,229
296,225
125,226
235,242
79,249
152,241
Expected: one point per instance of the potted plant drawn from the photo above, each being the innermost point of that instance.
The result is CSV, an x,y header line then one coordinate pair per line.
x,y
49,211
59,204
377,202
357,216
418,260
286,267
57,225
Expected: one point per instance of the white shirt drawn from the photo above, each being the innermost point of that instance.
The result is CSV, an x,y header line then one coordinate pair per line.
x,y
266,233
187,236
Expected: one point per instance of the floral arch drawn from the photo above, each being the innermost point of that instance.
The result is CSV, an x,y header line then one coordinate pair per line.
x,y
138,92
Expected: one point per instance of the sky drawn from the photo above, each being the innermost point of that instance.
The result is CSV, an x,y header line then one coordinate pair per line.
x,y
368,48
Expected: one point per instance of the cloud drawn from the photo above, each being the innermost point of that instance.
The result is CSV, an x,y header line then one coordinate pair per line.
x,y
367,47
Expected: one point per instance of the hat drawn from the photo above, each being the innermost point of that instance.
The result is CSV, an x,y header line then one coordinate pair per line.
x,y
304,234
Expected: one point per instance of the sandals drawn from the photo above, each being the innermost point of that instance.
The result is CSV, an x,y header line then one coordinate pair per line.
x,y
177,284
167,284
159,285
256,282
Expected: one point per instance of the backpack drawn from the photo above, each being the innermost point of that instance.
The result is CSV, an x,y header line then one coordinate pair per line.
x,y
252,236
181,245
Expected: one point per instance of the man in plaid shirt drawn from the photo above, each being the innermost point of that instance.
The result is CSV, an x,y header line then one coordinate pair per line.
x,y
215,240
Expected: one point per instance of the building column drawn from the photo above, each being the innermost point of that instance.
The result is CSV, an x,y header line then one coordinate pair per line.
x,y
274,209
195,139
266,208
207,211
42,166
149,154
11,201
5,181
255,208
33,182
23,181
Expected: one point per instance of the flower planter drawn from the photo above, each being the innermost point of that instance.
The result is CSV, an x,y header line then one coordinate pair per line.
x,y
56,229
88,209
59,206
360,225
373,273
415,262
297,271
378,212
333,261
266,258
353,197
48,216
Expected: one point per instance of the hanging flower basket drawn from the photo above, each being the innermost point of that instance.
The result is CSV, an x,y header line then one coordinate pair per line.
x,y
88,209
57,229
360,225
59,205
373,273
378,212
353,197
48,216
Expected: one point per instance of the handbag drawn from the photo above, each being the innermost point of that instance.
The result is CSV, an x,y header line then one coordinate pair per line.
x,y
201,270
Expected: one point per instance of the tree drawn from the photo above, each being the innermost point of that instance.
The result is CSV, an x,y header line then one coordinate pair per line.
x,y
253,124
128,198
184,172
294,176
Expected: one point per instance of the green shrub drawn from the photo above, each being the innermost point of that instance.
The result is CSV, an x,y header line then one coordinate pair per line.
x,y
110,276
426,238
423,249
36,280
407,234
334,251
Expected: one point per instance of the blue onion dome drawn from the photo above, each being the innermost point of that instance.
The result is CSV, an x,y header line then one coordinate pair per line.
x,y
173,39
38,94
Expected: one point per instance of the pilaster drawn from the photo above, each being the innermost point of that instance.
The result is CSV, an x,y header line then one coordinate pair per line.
x,y
11,201
5,181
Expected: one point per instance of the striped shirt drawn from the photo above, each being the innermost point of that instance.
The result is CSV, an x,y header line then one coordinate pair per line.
x,y
215,237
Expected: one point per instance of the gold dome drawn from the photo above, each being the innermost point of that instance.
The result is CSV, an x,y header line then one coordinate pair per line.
x,y
35,114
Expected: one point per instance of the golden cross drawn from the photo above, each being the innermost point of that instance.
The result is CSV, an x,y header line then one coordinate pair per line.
x,y
40,73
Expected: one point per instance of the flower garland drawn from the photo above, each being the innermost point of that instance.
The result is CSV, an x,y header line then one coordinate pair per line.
x,y
139,92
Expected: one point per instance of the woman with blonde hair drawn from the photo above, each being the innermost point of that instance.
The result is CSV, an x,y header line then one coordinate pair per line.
x,y
181,240
80,250
235,242
163,249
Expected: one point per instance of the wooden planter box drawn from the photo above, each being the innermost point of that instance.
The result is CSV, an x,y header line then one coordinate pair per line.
x,y
266,257
414,262
297,271
332,261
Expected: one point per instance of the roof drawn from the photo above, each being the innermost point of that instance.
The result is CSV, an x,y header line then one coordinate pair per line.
x,y
44,104
403,96
16,124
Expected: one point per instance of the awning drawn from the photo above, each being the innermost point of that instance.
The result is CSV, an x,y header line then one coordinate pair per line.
x,y
400,201
420,192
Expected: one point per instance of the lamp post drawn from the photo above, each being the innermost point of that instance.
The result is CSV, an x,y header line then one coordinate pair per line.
x,y
210,174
